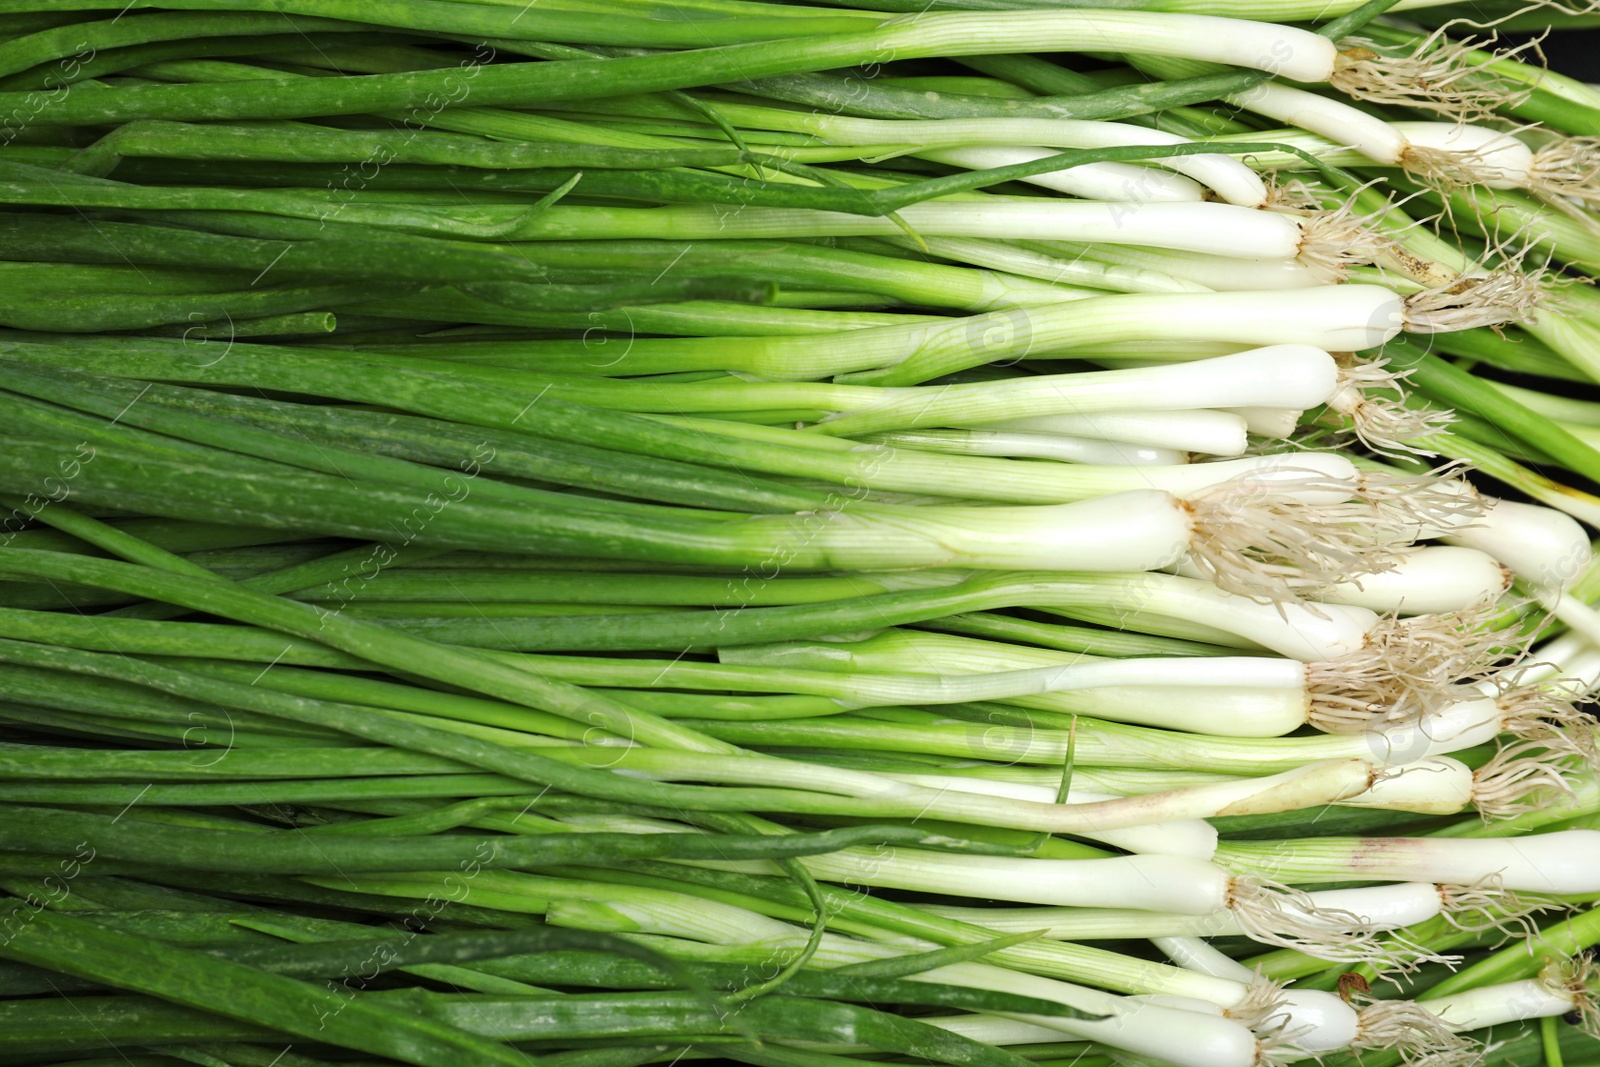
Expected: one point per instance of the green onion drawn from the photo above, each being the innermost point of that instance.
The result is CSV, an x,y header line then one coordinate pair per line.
x,y
616,533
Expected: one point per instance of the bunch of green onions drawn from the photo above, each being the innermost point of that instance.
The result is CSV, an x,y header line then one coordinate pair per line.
x,y
987,533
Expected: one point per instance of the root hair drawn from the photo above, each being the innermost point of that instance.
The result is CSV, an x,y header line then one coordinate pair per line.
x,y
1485,906
1580,977
1333,241
1420,1036
1568,168
1276,914
1522,777
1414,507
1371,397
1436,75
1406,668
1543,713
1262,1004
1259,539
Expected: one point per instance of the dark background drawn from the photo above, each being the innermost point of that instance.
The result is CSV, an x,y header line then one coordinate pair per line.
x,y
1575,53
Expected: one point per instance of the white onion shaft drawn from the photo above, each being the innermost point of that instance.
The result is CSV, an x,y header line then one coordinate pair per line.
x,y
1110,182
